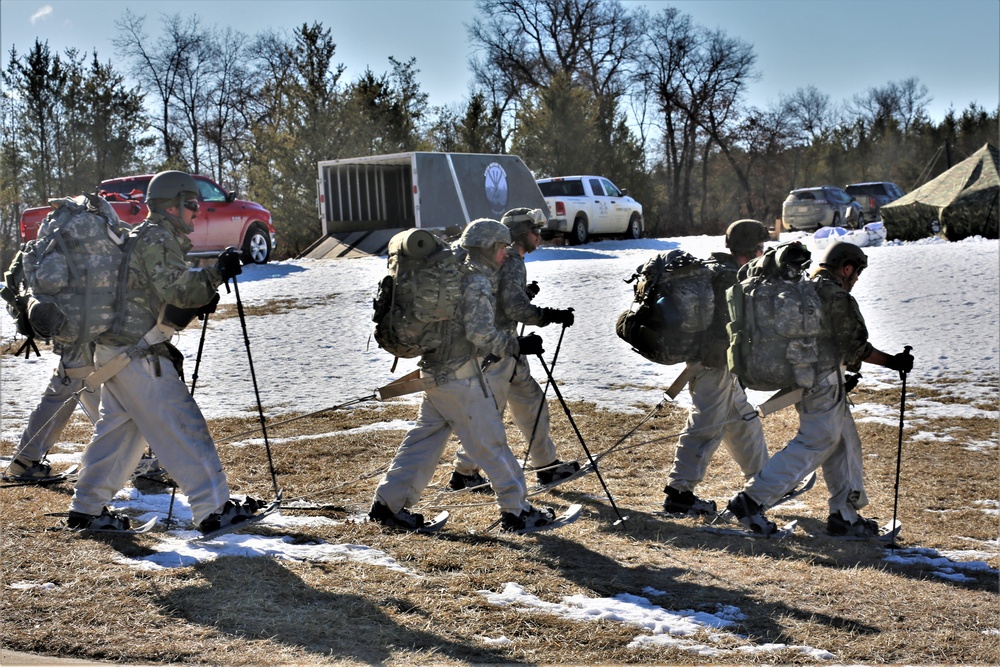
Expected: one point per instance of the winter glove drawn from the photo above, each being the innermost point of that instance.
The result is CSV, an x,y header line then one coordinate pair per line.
x,y
559,316
532,289
902,362
851,381
530,344
209,307
229,263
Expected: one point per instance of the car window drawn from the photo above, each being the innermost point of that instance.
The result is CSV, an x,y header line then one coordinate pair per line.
x,y
561,189
209,191
895,191
806,195
610,189
595,185
837,196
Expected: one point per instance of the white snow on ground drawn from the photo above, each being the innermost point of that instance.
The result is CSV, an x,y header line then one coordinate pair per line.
x,y
941,298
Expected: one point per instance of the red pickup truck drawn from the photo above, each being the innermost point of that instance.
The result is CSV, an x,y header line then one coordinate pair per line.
x,y
223,220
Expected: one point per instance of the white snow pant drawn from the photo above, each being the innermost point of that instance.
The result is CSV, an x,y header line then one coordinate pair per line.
x,y
513,387
46,422
827,437
717,397
139,406
459,406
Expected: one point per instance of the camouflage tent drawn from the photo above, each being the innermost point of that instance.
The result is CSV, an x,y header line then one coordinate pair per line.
x,y
962,200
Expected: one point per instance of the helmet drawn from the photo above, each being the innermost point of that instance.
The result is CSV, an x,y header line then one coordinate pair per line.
x,y
743,236
522,220
842,253
169,185
484,233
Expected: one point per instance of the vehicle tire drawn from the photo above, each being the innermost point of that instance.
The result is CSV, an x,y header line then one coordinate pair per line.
x,y
634,230
256,246
579,234
836,220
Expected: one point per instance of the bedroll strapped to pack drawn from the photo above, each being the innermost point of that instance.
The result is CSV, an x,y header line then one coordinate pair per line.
x,y
70,271
673,306
420,293
776,333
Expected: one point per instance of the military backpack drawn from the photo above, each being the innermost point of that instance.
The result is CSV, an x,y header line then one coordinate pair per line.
x,y
672,307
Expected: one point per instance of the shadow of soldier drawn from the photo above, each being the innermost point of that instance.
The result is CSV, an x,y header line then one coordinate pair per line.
x,y
258,598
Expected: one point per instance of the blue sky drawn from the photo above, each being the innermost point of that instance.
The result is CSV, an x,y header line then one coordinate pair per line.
x,y
842,47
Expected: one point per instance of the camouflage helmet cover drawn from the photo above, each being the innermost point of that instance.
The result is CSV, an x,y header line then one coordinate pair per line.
x,y
484,233
842,253
168,185
743,236
522,220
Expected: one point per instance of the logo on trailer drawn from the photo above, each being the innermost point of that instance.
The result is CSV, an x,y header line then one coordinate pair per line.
x,y
496,188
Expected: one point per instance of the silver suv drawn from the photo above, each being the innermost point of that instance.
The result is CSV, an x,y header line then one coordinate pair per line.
x,y
808,209
873,196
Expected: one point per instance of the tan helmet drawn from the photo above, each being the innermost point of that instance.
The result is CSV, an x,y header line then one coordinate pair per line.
x,y
743,236
520,221
484,233
169,188
842,253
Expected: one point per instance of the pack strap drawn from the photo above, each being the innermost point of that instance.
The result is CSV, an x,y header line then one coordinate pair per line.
x,y
408,384
780,401
158,334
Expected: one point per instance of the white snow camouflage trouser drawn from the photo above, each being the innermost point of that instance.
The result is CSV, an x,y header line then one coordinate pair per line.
x,y
458,406
827,438
513,387
139,407
716,397
44,424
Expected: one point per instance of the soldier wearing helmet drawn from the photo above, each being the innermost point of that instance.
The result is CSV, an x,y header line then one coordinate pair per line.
x,y
510,378
458,399
827,435
718,402
147,400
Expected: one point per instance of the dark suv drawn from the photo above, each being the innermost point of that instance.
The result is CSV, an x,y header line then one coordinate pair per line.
x,y
873,196
808,209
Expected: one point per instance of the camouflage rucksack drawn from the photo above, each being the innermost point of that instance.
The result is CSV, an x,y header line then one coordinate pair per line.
x,y
419,295
672,307
776,333
70,272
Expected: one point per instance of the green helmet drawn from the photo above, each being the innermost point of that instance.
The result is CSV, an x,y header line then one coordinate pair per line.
x,y
520,221
484,233
168,186
842,253
743,236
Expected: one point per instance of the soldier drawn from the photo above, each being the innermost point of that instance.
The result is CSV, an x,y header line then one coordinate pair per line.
x,y
827,435
510,378
460,401
718,401
147,400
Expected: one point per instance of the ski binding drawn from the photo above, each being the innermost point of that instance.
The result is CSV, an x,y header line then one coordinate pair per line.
x,y
571,514
585,469
65,475
138,530
273,507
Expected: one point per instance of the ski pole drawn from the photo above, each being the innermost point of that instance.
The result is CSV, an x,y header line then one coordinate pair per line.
x,y
256,391
899,447
590,456
201,347
353,401
545,392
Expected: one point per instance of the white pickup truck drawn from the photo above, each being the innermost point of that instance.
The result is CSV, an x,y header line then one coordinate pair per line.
x,y
586,206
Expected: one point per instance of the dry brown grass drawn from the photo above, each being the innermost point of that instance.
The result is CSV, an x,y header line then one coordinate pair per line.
x,y
816,591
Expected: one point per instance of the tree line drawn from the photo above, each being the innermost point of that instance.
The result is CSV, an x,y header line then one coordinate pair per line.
x,y
653,101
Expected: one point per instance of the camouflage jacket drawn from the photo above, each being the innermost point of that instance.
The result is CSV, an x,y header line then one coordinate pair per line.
x,y
724,269
158,274
513,305
475,331
843,320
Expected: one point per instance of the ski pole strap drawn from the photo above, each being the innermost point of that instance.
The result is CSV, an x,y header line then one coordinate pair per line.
x,y
690,370
780,401
157,334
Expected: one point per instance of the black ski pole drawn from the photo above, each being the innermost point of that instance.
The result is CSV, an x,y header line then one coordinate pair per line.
x,y
201,347
586,449
545,392
256,391
899,448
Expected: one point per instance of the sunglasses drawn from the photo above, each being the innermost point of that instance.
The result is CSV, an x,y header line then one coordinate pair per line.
x,y
191,205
